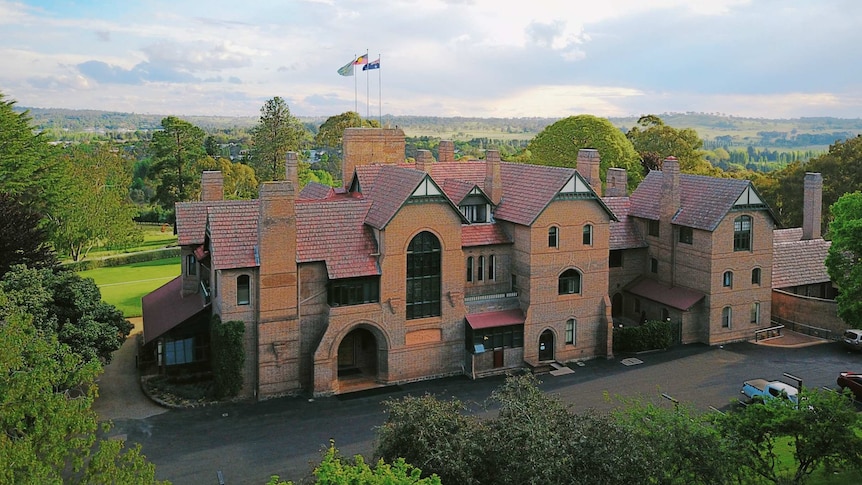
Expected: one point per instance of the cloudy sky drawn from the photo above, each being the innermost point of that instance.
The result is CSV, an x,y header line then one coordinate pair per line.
x,y
484,58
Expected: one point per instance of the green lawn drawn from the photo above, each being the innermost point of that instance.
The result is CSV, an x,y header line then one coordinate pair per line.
x,y
123,286
155,237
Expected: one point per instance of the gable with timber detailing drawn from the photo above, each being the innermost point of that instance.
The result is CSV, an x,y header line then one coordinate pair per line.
x,y
576,188
749,199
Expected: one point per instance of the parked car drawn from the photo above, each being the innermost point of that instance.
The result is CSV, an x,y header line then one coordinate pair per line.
x,y
852,381
761,389
853,339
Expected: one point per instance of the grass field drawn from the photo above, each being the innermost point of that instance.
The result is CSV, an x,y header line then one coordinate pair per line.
x,y
123,286
155,237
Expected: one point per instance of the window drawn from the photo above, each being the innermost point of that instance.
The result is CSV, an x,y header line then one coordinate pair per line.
x,y
510,336
475,213
615,258
652,228
423,276
242,290
588,235
571,327
726,317
492,268
755,312
653,265
553,236
353,291
727,279
191,265
179,351
480,270
470,269
742,233
686,235
755,276
570,282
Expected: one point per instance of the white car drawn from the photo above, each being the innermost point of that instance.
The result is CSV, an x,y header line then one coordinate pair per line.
x,y
853,339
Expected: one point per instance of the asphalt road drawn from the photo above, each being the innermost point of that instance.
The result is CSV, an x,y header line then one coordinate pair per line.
x,y
249,442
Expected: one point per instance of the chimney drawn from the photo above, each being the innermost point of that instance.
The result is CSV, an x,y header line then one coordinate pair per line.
x,y
616,179
424,160
493,176
212,186
670,197
364,146
276,250
446,151
291,169
812,202
588,167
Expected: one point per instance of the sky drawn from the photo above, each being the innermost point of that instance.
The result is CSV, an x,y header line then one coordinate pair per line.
x,y
469,58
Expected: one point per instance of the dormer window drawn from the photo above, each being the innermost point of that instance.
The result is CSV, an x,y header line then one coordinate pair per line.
x,y
475,213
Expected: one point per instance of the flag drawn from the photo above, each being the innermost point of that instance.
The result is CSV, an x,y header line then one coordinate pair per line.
x,y
363,59
372,65
347,69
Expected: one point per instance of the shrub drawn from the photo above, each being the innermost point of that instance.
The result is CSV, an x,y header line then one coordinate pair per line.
x,y
123,259
651,335
228,356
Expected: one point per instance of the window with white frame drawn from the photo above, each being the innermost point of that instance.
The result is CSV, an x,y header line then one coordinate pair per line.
x,y
755,312
588,235
570,282
553,237
571,331
727,279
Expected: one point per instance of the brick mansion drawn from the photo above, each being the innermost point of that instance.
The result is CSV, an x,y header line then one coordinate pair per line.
x,y
445,267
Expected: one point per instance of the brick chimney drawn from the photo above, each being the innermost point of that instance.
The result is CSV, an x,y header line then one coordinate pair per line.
x,y
212,186
493,176
446,151
812,202
424,160
588,166
277,250
364,146
616,179
670,196
291,169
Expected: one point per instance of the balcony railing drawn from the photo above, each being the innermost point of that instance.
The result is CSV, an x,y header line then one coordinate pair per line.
x,y
493,296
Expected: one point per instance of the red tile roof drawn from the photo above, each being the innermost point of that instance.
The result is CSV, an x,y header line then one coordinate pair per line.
x,y
483,235
165,308
674,296
456,190
397,185
625,233
232,229
334,231
192,219
786,235
704,200
315,190
799,263
495,319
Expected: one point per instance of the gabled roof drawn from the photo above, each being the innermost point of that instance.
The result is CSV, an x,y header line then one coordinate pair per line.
x,y
625,233
458,190
800,262
232,232
316,190
192,219
704,201
165,307
333,231
483,235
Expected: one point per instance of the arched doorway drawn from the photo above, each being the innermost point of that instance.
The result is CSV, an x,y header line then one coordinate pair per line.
x,y
546,346
357,354
617,305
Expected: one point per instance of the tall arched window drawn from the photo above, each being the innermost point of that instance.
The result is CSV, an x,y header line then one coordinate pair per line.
x,y
480,270
742,233
726,317
553,237
571,331
755,276
570,282
243,291
588,235
727,279
423,276
469,269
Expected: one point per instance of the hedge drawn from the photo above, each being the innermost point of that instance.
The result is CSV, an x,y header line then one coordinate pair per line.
x,y
651,335
123,259
228,356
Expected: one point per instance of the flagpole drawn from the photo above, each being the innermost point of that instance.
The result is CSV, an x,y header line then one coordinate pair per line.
x,y
366,84
355,102
379,94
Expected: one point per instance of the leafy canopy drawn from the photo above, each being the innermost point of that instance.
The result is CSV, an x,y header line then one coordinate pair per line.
x,y
844,261
276,133
176,148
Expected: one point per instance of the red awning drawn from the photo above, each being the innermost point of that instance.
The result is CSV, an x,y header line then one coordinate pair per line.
x,y
674,296
495,319
165,308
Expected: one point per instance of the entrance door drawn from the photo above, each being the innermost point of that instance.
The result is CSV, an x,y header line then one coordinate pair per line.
x,y
357,354
546,346
498,358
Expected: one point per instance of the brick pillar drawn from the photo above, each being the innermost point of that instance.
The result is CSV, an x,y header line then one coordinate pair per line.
x,y
212,186
812,205
669,189
291,169
588,166
617,179
424,160
364,146
493,177
446,151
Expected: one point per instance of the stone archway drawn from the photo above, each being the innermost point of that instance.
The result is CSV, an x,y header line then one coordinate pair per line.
x,y
357,355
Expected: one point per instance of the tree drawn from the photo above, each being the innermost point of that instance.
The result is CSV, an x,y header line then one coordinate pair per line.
x,y
98,210
238,178
276,133
819,431
844,261
68,307
176,149
558,145
23,239
655,141
47,426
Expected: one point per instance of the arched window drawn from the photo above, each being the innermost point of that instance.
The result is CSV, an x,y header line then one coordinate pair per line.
x,y
470,269
480,270
755,312
755,276
588,235
423,276
570,282
742,233
727,280
492,268
726,317
553,237
243,290
571,331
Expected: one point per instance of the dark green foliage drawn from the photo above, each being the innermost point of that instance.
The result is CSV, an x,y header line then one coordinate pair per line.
x,y
23,239
228,356
124,259
176,149
654,141
68,307
844,261
650,335
277,133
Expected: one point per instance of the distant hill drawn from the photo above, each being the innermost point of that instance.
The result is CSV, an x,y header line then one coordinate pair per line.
x,y
715,129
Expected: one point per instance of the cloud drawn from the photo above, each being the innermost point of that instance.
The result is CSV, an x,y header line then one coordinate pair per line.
x,y
141,73
103,35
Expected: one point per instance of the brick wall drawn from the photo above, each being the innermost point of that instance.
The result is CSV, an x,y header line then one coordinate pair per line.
x,y
363,146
